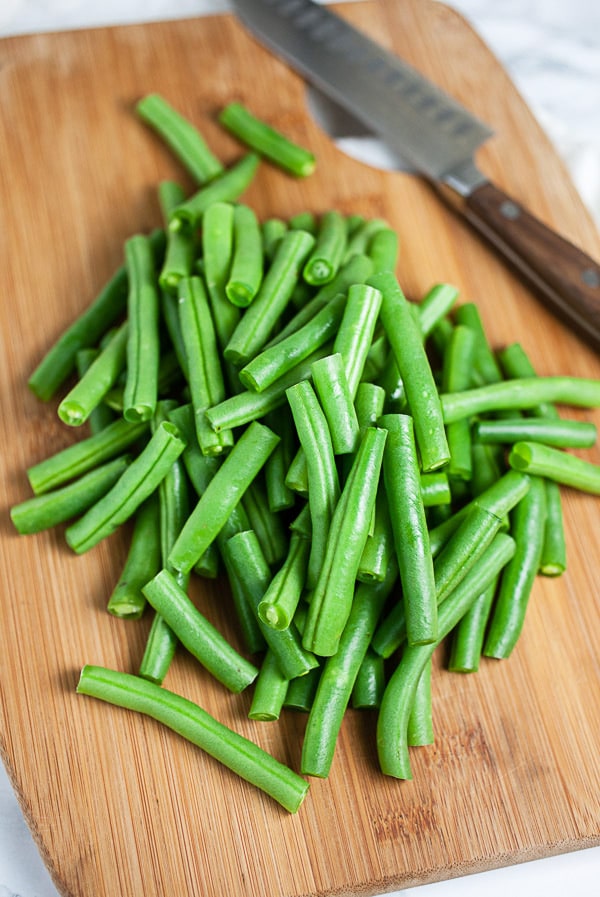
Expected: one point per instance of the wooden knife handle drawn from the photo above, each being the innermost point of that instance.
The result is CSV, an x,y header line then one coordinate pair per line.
x,y
566,278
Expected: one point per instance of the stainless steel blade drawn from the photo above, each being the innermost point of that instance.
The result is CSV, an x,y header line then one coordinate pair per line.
x,y
419,121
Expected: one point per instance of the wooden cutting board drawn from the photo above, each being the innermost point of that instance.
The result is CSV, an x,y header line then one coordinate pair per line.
x,y
117,805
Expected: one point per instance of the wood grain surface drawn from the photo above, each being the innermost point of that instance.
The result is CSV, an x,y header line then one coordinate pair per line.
x,y
118,805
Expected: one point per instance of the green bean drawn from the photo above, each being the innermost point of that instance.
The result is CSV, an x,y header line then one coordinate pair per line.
x,y
246,406
217,252
143,350
359,240
370,682
508,615
407,344
469,634
419,730
174,505
180,251
87,329
267,141
279,495
326,257
222,495
76,407
556,432
332,387
102,416
383,249
245,556
246,272
380,543
409,527
60,505
270,689
555,464
553,561
301,691
521,393
261,316
267,525
435,304
169,311
331,599
339,675
397,703
207,387
136,483
355,271
306,220
197,634
278,604
516,364
356,330
84,455
486,366
227,186
323,481
275,361
457,375
273,230
180,135
143,561
369,403
435,488
239,754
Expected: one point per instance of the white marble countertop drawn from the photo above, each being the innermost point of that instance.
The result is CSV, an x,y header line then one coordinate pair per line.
x,y
552,51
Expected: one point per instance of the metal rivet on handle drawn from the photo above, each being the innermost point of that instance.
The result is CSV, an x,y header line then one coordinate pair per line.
x,y
591,277
510,209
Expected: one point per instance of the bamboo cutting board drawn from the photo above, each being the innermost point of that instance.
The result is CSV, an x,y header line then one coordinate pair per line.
x,y
117,805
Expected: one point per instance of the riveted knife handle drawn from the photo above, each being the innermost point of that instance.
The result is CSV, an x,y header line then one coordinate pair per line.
x,y
565,277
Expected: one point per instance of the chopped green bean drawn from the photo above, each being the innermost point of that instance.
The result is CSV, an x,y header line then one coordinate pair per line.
x,y
407,344
339,675
180,135
84,455
275,361
409,527
397,703
323,481
133,487
337,401
523,393
239,754
143,561
331,599
207,386
143,345
259,320
419,730
278,604
246,271
270,690
370,682
87,329
245,555
356,330
227,186
222,495
326,256
87,394
63,504
383,249
435,304
555,464
102,415
508,614
266,140
558,432
457,375
197,634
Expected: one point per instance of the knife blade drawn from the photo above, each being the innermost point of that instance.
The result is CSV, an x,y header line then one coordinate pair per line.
x,y
438,137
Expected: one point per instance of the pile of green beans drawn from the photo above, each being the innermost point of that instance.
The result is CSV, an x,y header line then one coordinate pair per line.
x,y
265,405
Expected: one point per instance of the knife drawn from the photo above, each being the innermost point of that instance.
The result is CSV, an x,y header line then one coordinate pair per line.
x,y
438,137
